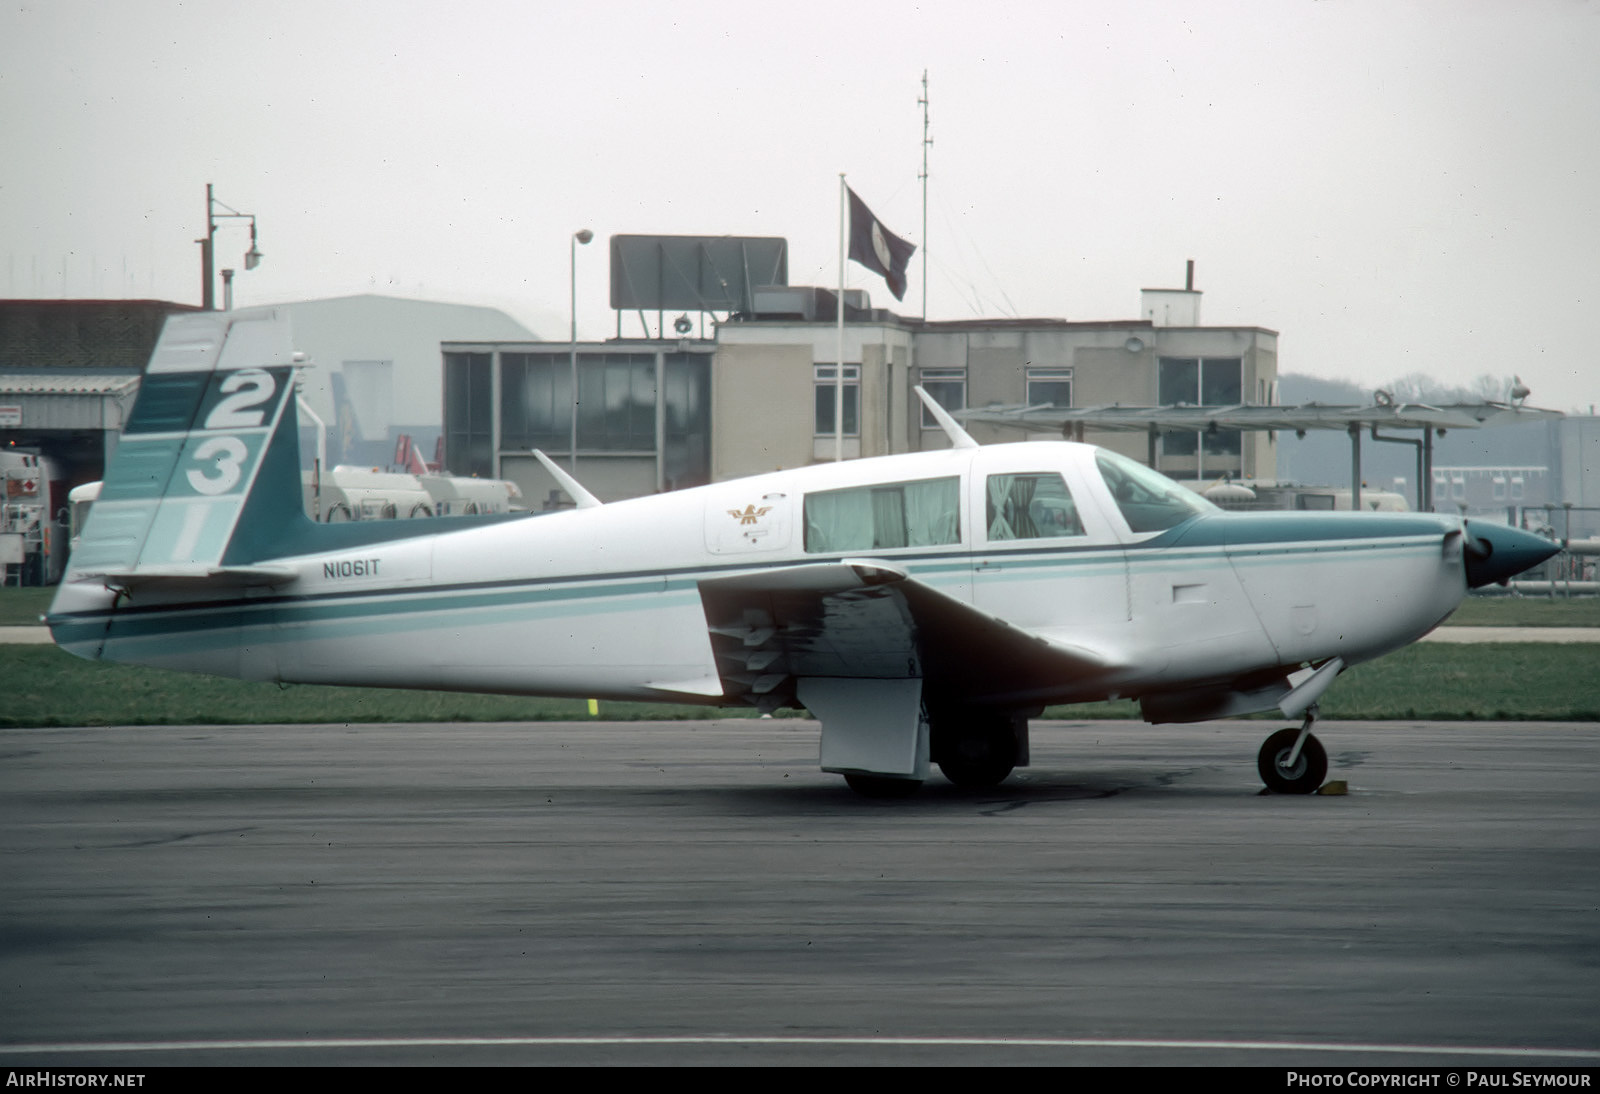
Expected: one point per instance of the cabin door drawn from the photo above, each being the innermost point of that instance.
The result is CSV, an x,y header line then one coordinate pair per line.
x,y
1040,560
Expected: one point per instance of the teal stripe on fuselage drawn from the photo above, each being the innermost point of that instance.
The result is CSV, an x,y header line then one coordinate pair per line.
x,y
365,611
1266,529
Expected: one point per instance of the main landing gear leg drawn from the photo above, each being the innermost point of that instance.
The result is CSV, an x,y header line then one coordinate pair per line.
x,y
1292,761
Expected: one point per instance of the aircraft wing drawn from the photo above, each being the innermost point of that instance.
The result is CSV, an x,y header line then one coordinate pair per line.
x,y
867,619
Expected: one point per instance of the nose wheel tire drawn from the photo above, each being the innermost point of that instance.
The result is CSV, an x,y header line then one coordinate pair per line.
x,y
1303,776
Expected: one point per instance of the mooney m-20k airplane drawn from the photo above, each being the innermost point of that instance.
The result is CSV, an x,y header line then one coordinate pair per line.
x,y
921,606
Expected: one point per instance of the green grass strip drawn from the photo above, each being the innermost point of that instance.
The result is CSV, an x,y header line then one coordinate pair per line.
x,y
46,687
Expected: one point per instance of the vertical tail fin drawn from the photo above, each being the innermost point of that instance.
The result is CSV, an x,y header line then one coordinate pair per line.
x,y
209,409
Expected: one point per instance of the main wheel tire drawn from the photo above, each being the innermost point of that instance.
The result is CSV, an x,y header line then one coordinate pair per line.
x,y
882,786
979,751
1309,769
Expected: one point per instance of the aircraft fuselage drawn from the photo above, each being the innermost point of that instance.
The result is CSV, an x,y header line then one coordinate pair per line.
x,y
605,602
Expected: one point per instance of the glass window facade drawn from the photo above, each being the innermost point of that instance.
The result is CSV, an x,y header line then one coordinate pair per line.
x,y
616,402
616,409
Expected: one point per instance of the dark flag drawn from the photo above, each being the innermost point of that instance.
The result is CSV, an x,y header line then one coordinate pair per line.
x,y
877,248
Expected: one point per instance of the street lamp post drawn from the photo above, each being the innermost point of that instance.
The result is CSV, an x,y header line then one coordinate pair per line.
x,y
252,257
582,235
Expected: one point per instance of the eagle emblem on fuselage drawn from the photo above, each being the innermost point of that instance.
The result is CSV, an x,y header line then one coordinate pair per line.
x,y
750,514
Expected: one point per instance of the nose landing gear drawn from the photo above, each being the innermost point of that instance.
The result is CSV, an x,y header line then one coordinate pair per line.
x,y
1292,761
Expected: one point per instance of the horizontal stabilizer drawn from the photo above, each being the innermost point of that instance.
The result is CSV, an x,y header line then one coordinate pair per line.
x,y
217,577
708,686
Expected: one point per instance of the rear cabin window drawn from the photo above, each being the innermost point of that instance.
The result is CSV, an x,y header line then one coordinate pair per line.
x,y
899,514
1032,506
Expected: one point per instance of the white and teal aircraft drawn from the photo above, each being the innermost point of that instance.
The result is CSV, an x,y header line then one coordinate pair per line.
x,y
922,606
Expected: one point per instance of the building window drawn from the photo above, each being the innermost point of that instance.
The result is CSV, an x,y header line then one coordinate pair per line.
x,y
686,455
617,403
536,402
948,386
469,414
1050,387
1201,381
826,380
900,514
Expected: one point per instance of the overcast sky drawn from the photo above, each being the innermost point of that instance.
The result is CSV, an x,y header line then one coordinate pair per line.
x,y
1396,187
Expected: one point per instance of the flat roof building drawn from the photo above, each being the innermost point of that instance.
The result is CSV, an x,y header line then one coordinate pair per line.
x,y
760,394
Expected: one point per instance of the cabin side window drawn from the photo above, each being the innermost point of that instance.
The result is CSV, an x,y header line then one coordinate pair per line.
x,y
898,514
1035,506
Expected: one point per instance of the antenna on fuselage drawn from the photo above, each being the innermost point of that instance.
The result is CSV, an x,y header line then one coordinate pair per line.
x,y
580,497
959,438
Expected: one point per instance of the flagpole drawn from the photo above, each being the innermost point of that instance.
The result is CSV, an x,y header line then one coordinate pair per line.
x,y
838,365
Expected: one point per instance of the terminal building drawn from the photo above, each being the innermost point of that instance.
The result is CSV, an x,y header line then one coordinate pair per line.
x,y
671,410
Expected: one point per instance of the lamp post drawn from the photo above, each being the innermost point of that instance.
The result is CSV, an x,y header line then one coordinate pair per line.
x,y
582,235
252,257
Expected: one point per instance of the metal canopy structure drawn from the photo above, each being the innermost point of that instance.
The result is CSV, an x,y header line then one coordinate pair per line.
x,y
1429,421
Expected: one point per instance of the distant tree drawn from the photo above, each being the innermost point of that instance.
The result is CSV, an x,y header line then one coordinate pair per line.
x,y
1417,387
1414,387
1492,388
1321,455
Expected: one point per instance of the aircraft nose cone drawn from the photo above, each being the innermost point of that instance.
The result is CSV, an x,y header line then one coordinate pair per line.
x,y
1498,552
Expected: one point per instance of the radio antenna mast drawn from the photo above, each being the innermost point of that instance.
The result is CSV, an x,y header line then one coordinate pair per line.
x,y
927,142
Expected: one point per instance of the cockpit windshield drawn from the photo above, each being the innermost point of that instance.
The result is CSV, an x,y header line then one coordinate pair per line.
x,y
1150,502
